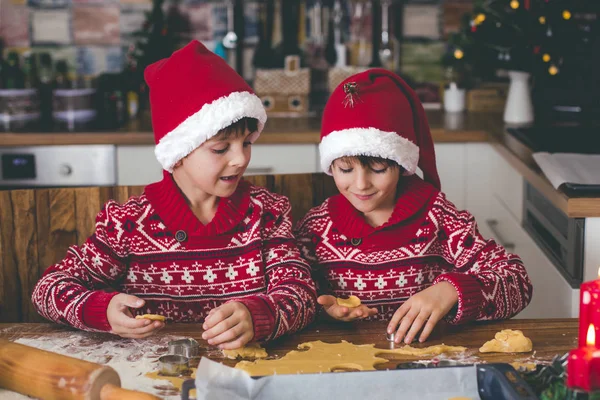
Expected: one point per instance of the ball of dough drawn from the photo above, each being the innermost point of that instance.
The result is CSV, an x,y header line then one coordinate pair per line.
x,y
350,302
507,341
151,317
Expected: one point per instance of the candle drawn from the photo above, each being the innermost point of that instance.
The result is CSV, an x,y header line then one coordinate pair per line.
x,y
583,368
589,309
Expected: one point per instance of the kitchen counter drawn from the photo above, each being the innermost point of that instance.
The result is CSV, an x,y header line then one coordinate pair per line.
x,y
550,337
445,128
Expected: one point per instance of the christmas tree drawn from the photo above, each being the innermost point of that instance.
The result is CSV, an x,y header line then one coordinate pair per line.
x,y
525,35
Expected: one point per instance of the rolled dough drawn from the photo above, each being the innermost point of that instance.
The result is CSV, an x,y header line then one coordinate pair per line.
x,y
350,302
507,341
327,357
251,350
152,317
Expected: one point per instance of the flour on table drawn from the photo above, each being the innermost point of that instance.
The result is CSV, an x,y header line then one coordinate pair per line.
x,y
131,358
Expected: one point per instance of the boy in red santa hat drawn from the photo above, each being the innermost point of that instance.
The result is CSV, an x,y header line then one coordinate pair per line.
x,y
200,245
391,238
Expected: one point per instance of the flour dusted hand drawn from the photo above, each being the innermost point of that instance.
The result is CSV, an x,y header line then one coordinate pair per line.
x,y
423,310
343,313
228,326
123,323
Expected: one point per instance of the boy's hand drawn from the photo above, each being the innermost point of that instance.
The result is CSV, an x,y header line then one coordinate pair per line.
x,y
424,308
344,313
123,323
228,326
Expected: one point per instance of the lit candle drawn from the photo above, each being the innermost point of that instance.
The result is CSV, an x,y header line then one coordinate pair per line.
x,y
583,368
589,309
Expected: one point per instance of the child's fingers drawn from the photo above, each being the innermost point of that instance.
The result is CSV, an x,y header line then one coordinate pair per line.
x,y
219,328
128,300
416,326
221,313
431,323
132,323
240,341
397,317
228,336
405,324
149,326
326,301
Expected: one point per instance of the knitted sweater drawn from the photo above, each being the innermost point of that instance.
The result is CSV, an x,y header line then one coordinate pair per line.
x,y
425,241
154,247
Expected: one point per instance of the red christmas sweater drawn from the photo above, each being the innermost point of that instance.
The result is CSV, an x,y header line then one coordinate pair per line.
x,y
154,247
425,241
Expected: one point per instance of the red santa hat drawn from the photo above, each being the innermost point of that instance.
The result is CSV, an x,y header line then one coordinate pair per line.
x,y
193,95
375,113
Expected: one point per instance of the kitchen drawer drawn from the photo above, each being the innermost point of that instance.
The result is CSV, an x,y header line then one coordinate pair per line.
x,y
507,185
137,165
552,295
283,159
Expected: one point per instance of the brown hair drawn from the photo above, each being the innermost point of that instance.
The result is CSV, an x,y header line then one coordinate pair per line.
x,y
238,128
370,162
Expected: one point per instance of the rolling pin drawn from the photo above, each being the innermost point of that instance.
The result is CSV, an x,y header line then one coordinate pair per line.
x,y
46,375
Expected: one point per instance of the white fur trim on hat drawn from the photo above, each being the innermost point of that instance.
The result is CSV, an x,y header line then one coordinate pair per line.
x,y
368,142
206,123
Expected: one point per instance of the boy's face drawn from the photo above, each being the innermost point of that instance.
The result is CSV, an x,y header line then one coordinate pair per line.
x,y
217,166
367,188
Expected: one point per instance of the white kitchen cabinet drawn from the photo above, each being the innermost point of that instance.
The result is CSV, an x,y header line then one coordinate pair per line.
x,y
450,160
137,165
274,159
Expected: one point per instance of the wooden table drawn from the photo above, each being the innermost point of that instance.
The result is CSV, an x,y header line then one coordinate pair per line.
x,y
550,337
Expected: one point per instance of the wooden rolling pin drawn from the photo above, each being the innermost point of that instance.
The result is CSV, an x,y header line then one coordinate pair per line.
x,y
47,375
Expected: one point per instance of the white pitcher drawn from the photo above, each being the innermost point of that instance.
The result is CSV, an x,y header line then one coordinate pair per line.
x,y
518,108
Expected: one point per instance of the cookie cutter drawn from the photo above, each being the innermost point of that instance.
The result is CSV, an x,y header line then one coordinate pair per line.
x,y
188,348
173,365
390,336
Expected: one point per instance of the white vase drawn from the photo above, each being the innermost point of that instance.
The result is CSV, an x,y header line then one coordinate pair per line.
x,y
518,108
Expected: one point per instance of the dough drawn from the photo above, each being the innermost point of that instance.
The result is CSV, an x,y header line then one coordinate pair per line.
x,y
327,357
151,317
251,350
507,341
350,302
523,366
176,381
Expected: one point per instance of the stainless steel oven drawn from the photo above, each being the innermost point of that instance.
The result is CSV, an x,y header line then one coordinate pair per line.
x,y
57,166
561,238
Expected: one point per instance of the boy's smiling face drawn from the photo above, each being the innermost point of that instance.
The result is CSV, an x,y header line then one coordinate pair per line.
x,y
371,189
216,167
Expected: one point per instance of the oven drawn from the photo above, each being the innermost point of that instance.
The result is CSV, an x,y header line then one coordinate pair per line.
x,y
57,166
561,238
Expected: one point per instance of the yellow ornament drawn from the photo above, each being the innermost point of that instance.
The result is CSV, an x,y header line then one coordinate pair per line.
x,y
546,57
479,19
542,20
514,4
553,70
566,14
458,54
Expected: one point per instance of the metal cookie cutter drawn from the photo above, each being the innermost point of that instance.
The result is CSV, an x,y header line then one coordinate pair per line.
x,y
189,348
390,336
173,365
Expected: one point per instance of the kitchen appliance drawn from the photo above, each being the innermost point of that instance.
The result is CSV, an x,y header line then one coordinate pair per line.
x,y
584,139
57,166
561,238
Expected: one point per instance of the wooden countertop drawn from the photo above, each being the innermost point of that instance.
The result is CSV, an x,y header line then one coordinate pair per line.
x,y
550,337
445,128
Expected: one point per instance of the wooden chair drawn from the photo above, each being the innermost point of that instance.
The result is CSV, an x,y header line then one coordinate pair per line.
x,y
37,226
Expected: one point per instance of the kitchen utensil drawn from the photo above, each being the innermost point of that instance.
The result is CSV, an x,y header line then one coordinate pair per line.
x,y
46,375
189,348
385,51
173,365
230,38
390,336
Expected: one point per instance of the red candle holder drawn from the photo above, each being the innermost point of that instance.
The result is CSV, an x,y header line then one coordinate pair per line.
x,y
583,367
589,310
